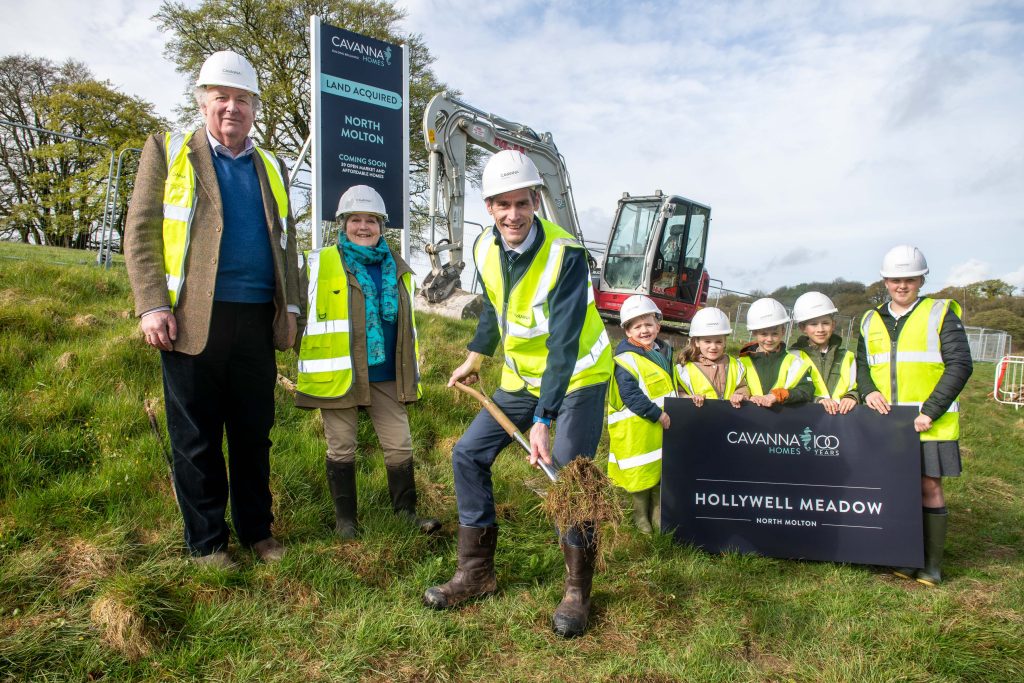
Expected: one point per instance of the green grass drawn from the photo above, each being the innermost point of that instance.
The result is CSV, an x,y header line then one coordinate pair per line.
x,y
94,583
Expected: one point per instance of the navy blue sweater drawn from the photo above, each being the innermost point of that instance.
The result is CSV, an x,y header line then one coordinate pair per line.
x,y
245,269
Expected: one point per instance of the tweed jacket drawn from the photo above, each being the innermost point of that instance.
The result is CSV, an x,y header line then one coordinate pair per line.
x,y
143,245
405,346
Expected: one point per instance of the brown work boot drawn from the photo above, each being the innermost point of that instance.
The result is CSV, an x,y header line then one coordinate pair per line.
x,y
474,575
572,614
269,550
402,488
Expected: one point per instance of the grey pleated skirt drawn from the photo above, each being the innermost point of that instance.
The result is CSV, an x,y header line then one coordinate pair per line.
x,y
940,458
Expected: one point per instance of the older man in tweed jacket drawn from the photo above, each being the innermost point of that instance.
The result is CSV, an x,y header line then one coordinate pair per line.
x,y
210,250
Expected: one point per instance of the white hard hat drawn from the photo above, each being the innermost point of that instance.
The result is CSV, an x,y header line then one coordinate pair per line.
x,y
508,170
229,69
903,261
361,199
765,313
709,322
810,305
636,306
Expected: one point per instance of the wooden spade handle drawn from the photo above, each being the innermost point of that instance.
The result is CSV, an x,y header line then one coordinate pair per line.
x,y
502,419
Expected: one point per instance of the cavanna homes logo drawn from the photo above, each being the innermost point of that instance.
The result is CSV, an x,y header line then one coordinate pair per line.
x,y
806,442
365,52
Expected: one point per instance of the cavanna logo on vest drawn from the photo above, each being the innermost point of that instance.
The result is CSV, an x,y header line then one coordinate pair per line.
x,y
780,443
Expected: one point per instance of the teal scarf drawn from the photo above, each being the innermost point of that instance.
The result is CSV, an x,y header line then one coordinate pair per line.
x,y
379,304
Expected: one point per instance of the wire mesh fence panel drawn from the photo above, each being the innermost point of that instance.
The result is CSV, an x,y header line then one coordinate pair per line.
x,y
988,345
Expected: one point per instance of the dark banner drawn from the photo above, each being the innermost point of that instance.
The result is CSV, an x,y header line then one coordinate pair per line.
x,y
794,482
360,118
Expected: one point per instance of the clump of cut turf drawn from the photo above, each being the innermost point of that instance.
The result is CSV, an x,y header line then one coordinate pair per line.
x,y
122,628
583,497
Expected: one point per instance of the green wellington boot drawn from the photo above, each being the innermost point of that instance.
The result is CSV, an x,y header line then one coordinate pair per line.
x,y
934,545
341,477
642,511
656,507
402,488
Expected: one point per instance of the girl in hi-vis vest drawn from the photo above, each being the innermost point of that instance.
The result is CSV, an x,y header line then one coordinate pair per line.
x,y
636,415
704,369
775,375
913,351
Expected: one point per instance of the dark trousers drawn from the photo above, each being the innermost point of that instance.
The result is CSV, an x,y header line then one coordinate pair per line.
x,y
577,433
229,387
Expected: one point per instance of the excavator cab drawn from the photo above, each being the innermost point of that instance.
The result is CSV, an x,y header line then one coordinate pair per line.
x,y
656,247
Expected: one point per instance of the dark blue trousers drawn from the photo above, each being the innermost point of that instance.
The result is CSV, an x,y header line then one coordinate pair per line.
x,y
229,387
577,433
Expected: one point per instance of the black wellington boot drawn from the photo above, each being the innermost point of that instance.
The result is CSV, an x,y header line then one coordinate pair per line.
x,y
341,477
934,546
474,576
402,487
572,614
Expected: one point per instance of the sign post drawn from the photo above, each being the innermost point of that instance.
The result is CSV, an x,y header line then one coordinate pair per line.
x,y
794,482
360,122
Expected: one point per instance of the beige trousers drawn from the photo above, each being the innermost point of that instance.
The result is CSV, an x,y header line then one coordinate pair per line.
x,y
390,421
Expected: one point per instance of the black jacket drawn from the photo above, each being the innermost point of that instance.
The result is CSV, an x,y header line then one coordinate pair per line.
x,y
629,389
956,356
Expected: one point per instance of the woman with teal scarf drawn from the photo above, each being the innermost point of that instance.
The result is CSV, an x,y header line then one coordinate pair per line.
x,y
381,372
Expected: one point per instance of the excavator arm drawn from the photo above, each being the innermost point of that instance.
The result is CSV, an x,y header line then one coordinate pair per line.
x,y
449,127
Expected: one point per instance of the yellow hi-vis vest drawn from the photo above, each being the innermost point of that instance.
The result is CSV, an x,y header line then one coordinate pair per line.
x,y
907,370
180,206
325,356
523,314
792,370
845,383
693,382
634,449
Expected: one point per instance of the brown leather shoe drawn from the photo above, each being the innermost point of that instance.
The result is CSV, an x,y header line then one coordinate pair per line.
x,y
474,576
269,550
218,560
572,614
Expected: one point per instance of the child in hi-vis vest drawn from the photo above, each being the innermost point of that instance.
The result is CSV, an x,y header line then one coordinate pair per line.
x,y
833,366
704,369
636,415
774,375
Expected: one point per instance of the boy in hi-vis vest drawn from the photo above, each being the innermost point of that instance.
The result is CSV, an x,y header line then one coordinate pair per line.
x,y
636,415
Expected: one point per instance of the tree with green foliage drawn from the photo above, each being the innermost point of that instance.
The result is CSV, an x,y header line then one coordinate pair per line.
x,y
274,37
53,189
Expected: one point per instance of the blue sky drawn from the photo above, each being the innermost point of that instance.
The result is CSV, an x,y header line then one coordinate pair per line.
x,y
820,133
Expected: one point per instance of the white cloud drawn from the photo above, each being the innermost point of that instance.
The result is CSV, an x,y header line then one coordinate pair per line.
x,y
1015,278
970,271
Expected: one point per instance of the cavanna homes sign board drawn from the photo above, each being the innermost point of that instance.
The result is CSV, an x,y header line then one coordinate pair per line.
x,y
794,482
360,121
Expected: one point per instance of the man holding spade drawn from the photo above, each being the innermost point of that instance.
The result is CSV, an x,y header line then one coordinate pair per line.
x,y
539,305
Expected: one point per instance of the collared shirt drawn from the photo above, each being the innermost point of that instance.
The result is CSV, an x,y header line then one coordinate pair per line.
x,y
910,309
525,244
219,149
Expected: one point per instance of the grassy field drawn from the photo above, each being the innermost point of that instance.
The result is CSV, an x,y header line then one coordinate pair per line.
x,y
94,583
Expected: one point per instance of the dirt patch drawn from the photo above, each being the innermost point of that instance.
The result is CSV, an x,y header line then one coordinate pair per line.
x,y
83,564
10,296
66,360
85,320
121,628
